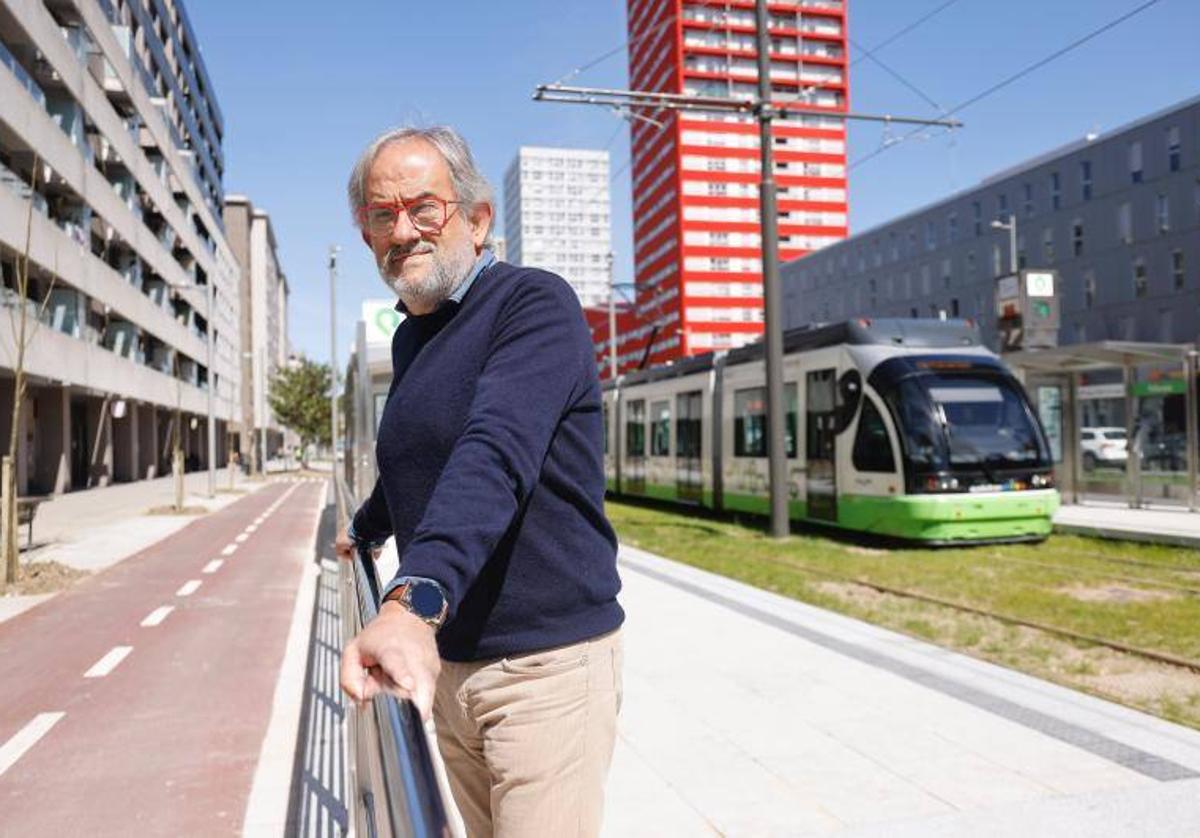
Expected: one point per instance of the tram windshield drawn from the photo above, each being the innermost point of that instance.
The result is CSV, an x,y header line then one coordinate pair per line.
x,y
972,421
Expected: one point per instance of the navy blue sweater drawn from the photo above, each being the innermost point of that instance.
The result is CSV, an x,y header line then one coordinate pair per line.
x,y
491,472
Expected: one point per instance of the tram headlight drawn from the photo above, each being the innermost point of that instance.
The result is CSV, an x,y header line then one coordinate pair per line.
x,y
1042,481
941,484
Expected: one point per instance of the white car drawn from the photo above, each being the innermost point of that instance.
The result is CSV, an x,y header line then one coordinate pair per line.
x,y
1103,447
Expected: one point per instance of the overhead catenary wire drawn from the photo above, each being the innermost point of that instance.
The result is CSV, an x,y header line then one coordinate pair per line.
x,y
1020,74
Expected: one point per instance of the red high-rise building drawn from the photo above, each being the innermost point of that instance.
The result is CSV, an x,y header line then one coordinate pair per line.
x,y
697,246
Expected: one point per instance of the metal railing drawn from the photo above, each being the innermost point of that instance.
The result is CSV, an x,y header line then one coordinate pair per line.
x,y
396,784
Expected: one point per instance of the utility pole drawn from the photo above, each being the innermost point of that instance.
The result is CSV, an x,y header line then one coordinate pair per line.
x,y
612,319
333,360
764,110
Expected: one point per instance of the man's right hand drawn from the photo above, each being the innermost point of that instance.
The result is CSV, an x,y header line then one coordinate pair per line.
x,y
395,653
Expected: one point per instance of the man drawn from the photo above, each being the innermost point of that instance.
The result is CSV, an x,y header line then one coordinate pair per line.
x,y
491,479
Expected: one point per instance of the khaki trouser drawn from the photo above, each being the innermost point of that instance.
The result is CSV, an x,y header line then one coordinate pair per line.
x,y
527,740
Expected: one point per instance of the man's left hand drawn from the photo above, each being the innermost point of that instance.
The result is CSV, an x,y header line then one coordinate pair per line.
x,y
395,653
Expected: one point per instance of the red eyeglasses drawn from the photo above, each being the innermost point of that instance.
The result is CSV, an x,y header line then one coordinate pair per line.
x,y
428,214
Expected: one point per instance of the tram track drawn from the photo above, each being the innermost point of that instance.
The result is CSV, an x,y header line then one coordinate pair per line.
x,y
1133,580
1078,637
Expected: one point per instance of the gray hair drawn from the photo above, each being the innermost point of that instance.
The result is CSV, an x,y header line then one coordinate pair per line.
x,y
470,186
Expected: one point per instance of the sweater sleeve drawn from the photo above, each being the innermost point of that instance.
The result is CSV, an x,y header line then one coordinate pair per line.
x,y
372,523
538,359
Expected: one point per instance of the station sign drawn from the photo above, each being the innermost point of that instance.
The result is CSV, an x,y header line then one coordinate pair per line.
x,y
381,319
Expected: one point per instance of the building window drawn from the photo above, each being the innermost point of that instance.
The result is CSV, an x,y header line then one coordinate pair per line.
x,y
1177,274
1173,155
660,429
1048,245
1141,283
997,267
977,217
1055,191
1166,324
1089,289
970,266
1162,213
1077,238
952,227
1001,206
945,273
912,312
1021,260
1028,195
930,236
1125,223
1135,161
1085,179
954,307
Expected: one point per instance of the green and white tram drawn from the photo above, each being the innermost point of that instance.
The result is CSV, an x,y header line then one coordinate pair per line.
x,y
908,429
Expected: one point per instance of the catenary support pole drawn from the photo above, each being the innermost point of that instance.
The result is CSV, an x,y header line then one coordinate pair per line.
x,y
772,316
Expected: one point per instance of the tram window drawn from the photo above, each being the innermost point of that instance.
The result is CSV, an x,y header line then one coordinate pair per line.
x,y
688,425
635,429
750,421
660,429
872,448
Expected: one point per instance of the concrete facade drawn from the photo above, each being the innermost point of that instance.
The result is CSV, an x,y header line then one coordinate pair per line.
x,y
1116,215
112,173
263,324
558,216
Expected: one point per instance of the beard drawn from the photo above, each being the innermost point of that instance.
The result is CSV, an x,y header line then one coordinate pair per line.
x,y
447,269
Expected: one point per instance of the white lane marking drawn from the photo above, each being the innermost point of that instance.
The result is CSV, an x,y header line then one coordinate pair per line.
x,y
189,587
240,537
157,616
26,738
213,566
229,549
109,662
252,528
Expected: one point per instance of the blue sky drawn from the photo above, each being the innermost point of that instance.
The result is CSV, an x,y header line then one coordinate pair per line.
x,y
303,85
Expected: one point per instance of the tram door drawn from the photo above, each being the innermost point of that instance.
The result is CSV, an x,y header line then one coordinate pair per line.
x,y
689,481
820,414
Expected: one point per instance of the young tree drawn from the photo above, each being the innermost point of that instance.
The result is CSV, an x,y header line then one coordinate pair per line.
x,y
299,397
22,335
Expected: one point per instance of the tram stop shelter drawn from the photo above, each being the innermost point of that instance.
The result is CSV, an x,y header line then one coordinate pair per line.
x,y
1052,377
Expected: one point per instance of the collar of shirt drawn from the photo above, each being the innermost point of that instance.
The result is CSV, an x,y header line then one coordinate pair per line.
x,y
486,258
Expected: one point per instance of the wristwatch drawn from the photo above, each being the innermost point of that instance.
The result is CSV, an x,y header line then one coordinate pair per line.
x,y
422,598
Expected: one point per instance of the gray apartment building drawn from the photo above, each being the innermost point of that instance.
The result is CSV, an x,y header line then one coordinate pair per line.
x,y
263,326
110,160
1116,215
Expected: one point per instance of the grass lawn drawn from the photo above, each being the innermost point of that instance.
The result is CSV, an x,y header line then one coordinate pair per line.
x,y
1141,595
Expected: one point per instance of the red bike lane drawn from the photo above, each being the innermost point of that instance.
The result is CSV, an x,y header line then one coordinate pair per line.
x,y
162,723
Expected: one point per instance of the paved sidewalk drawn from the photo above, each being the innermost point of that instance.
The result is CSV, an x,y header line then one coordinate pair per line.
x,y
746,713
95,528
1115,520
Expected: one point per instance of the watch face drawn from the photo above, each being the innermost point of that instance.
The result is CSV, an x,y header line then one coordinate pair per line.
x,y
426,601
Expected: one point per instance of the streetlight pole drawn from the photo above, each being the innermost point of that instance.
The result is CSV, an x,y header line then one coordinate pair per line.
x,y
333,360
212,382
772,319
208,352
1011,227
